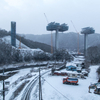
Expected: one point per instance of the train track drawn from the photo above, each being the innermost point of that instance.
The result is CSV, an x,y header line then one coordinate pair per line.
x,y
28,89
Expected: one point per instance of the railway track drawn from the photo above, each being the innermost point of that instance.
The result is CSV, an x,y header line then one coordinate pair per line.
x,y
28,89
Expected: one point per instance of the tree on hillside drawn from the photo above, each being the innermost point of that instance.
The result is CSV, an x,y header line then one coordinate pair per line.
x,y
98,72
62,54
35,45
41,56
3,33
5,55
93,54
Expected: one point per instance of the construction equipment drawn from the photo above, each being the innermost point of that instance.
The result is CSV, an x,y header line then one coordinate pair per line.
x,y
51,34
77,37
20,43
94,86
97,90
70,80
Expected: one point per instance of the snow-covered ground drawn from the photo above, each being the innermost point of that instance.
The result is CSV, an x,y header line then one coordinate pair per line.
x,y
7,39
24,48
17,80
17,77
54,89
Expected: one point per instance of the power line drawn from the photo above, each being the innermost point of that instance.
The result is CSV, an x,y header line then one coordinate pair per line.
x,y
56,90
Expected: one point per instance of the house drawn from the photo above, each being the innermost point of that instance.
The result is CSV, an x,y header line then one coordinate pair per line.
x,y
74,74
71,68
79,69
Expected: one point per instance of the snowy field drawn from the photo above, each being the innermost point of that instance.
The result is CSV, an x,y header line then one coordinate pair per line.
x,y
16,80
54,89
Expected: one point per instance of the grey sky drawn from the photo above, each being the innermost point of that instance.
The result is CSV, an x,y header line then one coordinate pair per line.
x,y
30,19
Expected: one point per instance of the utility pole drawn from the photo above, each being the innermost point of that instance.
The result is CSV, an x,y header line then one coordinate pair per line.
x,y
40,87
3,86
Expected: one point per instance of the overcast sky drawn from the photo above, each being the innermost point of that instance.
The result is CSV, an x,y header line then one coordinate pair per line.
x,y
30,19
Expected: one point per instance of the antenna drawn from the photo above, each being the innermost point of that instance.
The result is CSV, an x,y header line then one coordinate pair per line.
x,y
78,37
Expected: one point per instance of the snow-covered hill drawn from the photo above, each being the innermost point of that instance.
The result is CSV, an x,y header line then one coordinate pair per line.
x,y
10,54
24,49
7,40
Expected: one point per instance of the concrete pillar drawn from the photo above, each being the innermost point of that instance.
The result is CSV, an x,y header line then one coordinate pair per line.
x,y
13,34
56,40
85,44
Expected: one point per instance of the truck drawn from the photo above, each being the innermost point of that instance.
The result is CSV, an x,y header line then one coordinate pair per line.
x,y
95,86
70,80
97,90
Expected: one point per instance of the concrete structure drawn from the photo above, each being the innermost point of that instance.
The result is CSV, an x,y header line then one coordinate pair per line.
x,y
86,31
58,28
13,34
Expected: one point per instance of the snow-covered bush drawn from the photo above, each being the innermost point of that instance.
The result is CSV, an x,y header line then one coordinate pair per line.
x,y
41,56
62,55
9,54
93,55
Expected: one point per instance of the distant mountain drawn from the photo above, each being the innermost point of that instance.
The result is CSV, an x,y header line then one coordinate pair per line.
x,y
67,40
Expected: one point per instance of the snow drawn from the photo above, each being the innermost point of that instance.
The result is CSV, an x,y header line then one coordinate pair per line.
x,y
70,92
15,77
24,48
21,73
7,39
53,87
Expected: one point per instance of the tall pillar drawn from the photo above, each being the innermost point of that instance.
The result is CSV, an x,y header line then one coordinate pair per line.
x,y
13,34
56,40
85,44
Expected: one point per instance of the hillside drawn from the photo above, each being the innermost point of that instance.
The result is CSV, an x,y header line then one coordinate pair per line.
x,y
29,43
29,50
35,45
66,40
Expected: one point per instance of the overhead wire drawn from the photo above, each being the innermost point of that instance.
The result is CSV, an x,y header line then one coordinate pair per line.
x,y
56,90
